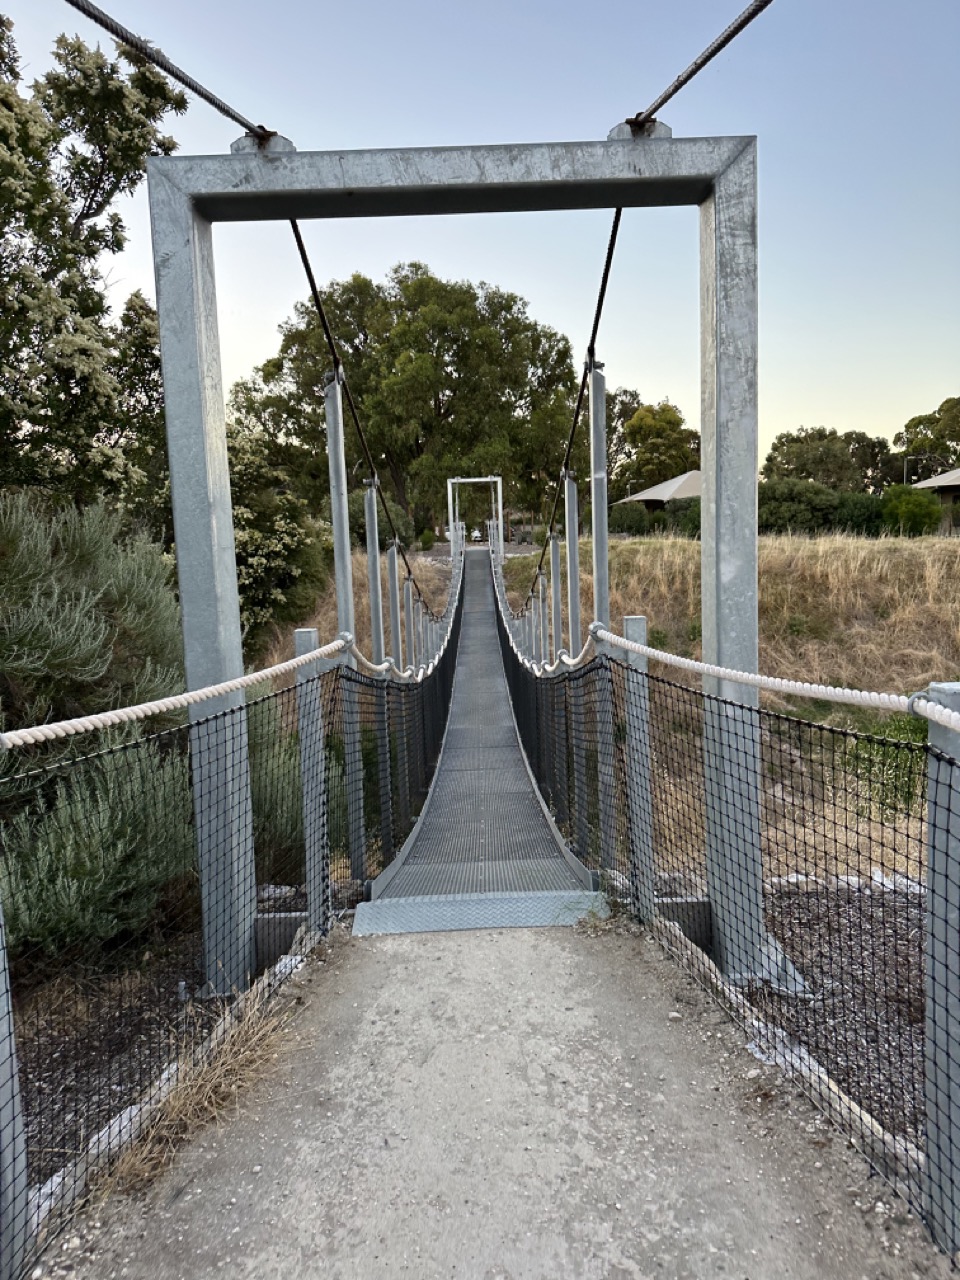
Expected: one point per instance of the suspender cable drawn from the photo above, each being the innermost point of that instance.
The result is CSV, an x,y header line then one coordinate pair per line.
x,y
581,394
348,394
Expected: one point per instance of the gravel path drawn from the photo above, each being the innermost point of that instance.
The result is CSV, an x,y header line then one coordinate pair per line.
x,y
510,1105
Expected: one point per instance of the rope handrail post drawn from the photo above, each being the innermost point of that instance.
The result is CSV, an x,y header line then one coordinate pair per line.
x,y
639,776
598,493
606,742
941,1172
572,535
313,786
410,635
451,526
543,614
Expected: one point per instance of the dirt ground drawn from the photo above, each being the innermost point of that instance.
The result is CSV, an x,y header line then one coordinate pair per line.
x,y
509,1105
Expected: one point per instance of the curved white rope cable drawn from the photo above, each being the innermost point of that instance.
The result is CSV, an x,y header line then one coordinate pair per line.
x,y
178,702
797,688
344,644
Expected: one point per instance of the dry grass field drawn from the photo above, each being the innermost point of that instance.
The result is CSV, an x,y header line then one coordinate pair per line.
x,y
868,613
431,572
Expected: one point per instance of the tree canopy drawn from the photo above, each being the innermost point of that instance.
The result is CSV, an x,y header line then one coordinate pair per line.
x,y
932,440
657,447
69,146
849,463
452,378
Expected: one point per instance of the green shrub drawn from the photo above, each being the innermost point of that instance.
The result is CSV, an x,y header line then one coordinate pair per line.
x,y
684,516
795,506
91,862
628,517
911,511
427,539
860,513
88,615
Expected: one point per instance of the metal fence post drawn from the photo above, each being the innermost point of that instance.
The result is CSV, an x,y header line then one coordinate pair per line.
x,y
393,594
555,599
941,1173
536,650
572,533
353,769
14,1188
598,493
544,616
639,777
578,738
313,778
606,755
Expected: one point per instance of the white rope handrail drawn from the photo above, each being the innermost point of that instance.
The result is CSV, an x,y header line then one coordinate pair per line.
x,y
344,644
917,704
177,702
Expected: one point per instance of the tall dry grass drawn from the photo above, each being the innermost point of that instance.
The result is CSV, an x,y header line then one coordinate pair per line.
x,y
431,572
869,613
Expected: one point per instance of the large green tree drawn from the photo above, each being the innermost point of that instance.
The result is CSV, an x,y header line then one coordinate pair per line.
x,y
451,378
660,447
851,462
931,441
69,147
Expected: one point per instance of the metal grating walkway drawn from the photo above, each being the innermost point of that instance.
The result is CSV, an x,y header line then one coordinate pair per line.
x,y
484,847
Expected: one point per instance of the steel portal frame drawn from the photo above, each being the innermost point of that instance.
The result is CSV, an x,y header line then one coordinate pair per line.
x,y
189,194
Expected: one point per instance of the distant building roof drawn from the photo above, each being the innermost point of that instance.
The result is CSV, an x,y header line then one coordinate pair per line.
x,y
947,480
685,486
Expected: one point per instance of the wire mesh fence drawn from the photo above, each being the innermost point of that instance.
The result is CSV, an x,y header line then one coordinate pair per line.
x,y
809,873
149,886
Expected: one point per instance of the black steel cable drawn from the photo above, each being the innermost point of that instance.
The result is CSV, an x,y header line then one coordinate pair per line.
x,y
581,394
351,403
160,60
723,39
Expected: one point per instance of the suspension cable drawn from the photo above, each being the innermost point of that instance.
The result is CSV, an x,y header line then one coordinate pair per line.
x,y
161,61
752,11
581,394
723,39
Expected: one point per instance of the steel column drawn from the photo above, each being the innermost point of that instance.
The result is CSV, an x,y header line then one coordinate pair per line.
x,y
410,633
555,597
572,529
373,568
941,1170
728,305
339,511
543,616
393,595
598,493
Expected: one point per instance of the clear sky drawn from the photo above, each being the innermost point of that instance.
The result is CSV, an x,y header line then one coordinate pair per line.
x,y
856,104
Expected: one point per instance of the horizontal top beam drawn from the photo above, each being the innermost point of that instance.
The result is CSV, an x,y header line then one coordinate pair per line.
x,y
632,173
